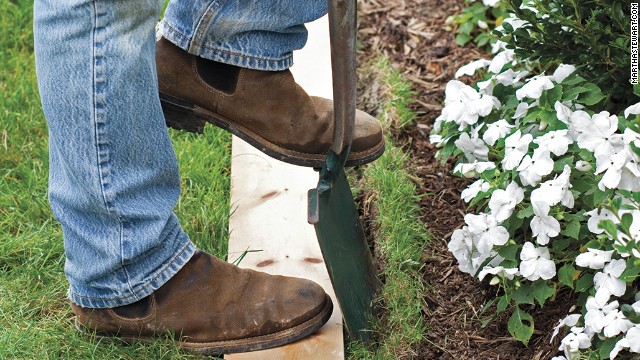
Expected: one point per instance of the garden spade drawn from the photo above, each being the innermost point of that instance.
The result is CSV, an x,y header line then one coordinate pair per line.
x,y
332,209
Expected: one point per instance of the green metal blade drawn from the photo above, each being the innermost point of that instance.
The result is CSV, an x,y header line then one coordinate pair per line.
x,y
345,251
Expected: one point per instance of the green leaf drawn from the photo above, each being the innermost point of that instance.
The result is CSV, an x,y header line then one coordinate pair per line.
x,y
462,39
591,97
606,346
503,303
542,291
525,213
508,252
550,96
523,295
566,274
574,79
571,93
630,313
572,230
520,326
561,244
631,272
584,283
636,89
609,226
627,220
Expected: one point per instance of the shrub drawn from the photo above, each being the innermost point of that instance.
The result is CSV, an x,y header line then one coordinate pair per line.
x,y
593,35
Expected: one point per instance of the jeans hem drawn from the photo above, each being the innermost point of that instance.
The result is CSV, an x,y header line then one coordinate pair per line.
x,y
172,267
232,57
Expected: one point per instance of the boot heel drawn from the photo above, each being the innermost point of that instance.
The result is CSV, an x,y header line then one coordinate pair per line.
x,y
180,115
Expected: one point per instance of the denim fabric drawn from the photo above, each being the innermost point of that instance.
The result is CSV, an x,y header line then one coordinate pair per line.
x,y
113,180
257,34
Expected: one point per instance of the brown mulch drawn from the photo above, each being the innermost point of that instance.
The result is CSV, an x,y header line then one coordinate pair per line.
x,y
413,34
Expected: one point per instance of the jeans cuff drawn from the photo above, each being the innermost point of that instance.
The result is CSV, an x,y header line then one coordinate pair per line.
x,y
227,56
170,268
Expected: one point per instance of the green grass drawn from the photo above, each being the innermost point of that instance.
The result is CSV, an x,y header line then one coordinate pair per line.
x,y
35,318
399,234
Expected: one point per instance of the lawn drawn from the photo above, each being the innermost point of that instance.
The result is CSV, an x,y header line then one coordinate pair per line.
x,y
35,318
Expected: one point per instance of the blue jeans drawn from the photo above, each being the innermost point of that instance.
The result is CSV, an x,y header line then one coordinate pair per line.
x,y
114,179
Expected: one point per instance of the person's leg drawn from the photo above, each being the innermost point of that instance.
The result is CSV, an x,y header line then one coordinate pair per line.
x,y
113,183
114,177
226,62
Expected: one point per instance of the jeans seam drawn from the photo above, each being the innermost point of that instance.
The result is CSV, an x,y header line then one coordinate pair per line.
x,y
102,165
203,24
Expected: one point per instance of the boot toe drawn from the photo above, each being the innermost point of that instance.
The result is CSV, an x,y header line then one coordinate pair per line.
x,y
367,137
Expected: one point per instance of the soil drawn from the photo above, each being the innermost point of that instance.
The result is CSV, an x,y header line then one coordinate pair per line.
x,y
414,35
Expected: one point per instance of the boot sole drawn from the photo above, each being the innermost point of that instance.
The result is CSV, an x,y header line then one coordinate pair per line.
x,y
263,342
183,115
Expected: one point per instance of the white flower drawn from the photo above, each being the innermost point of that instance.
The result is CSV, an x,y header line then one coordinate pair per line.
x,y
474,149
582,165
562,112
536,263
594,258
629,136
630,341
496,130
474,189
597,308
491,3
555,141
608,278
533,168
463,105
562,72
508,273
543,226
616,323
470,170
461,246
574,341
569,320
595,216
600,136
486,231
510,77
579,124
498,46
633,109
555,191
612,167
534,87
472,67
503,202
522,110
516,146
500,60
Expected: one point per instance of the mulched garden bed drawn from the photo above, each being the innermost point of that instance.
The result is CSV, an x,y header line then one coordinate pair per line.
x,y
414,36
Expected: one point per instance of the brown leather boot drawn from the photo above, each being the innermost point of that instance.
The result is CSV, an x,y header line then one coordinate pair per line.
x,y
265,108
213,307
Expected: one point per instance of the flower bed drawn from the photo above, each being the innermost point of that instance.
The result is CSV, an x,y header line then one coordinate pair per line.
x,y
557,161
